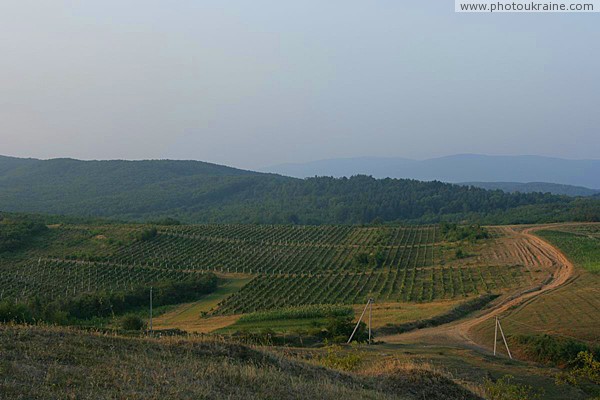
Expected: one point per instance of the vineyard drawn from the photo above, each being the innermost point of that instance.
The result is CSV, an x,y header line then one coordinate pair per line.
x,y
290,265
57,278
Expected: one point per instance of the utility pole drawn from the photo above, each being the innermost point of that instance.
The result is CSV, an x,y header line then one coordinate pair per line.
x,y
495,335
370,313
360,319
150,309
499,326
504,338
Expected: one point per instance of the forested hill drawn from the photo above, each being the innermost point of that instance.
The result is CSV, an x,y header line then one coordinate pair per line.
x,y
529,187
193,191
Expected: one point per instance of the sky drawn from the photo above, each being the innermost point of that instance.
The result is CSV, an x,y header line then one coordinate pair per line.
x,y
257,83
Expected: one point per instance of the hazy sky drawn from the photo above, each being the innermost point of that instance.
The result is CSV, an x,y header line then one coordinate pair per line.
x,y
256,83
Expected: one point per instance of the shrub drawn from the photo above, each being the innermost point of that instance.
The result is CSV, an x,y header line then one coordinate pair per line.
x,y
374,259
147,234
339,329
454,232
583,368
505,389
132,322
11,312
336,358
553,349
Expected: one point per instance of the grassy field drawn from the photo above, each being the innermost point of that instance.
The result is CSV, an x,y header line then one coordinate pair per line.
x,y
62,363
277,325
399,313
190,316
382,314
571,311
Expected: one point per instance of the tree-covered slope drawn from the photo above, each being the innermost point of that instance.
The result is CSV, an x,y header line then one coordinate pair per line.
x,y
194,191
530,187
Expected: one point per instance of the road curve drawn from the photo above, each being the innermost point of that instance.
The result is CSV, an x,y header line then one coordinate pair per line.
x,y
458,332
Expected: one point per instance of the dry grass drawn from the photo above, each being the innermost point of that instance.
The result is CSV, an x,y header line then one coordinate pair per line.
x,y
420,376
57,363
199,325
572,310
188,317
399,313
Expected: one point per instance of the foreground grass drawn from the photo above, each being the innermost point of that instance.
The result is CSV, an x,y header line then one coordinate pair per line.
x,y
52,363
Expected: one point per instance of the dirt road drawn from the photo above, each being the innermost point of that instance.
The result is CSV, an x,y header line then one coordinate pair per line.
x,y
458,332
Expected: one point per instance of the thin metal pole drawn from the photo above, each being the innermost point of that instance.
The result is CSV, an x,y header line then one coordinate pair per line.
x,y
504,338
495,335
370,313
150,309
358,323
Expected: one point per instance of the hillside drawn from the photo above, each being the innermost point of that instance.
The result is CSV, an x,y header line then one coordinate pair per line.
x,y
63,363
532,187
276,286
456,168
193,191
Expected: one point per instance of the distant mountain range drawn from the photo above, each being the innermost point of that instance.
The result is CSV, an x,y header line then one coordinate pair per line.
x,y
456,169
194,191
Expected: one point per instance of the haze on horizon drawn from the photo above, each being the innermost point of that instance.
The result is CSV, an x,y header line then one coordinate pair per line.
x,y
252,84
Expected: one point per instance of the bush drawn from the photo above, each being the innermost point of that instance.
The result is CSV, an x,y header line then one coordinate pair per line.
x,y
584,368
374,259
147,234
505,389
554,350
132,322
336,358
339,329
455,233
18,313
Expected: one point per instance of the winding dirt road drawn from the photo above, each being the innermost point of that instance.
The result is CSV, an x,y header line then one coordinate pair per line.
x,y
458,332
